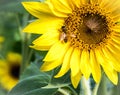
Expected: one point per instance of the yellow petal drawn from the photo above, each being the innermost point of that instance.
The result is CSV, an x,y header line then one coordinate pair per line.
x,y
45,24
85,64
8,82
114,49
116,28
115,8
66,63
66,4
42,48
95,67
4,67
14,58
47,39
75,62
102,59
115,34
51,34
115,45
71,4
95,1
99,57
56,51
76,79
107,67
2,39
55,11
111,74
61,6
112,59
85,1
47,66
112,7
116,17
116,40
37,9
76,3
105,4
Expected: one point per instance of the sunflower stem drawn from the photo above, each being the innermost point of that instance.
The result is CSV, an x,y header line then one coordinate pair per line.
x,y
24,53
103,86
73,91
64,92
25,40
85,87
116,89
96,89
29,56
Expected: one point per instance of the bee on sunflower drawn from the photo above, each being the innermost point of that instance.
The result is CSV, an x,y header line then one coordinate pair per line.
x,y
80,35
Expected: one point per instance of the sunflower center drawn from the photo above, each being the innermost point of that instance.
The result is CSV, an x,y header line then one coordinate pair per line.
x,y
15,70
87,27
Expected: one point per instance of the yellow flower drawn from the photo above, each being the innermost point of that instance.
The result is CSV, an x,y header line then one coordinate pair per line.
x,y
2,39
9,70
82,36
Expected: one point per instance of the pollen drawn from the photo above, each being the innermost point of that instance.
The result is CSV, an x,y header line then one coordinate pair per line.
x,y
87,27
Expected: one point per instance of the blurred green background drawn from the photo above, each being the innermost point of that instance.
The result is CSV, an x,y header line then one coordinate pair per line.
x,y
13,17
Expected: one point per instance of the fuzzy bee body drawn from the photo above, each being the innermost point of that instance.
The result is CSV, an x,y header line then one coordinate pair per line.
x,y
64,35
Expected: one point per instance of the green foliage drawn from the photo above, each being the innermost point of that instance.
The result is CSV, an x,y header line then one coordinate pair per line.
x,y
11,6
34,82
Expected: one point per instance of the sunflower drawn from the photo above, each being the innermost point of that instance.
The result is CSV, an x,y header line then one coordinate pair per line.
x,y
82,36
9,70
2,39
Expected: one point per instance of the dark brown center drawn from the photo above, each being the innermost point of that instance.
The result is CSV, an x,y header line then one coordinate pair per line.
x,y
86,27
14,71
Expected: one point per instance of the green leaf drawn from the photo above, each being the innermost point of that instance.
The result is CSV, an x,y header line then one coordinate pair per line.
x,y
31,71
64,79
32,83
2,91
32,86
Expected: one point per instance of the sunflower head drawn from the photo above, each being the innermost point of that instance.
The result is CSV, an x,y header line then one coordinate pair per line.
x,y
9,70
81,35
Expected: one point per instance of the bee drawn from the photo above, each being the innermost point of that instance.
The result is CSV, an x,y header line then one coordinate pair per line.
x,y
64,35
63,28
